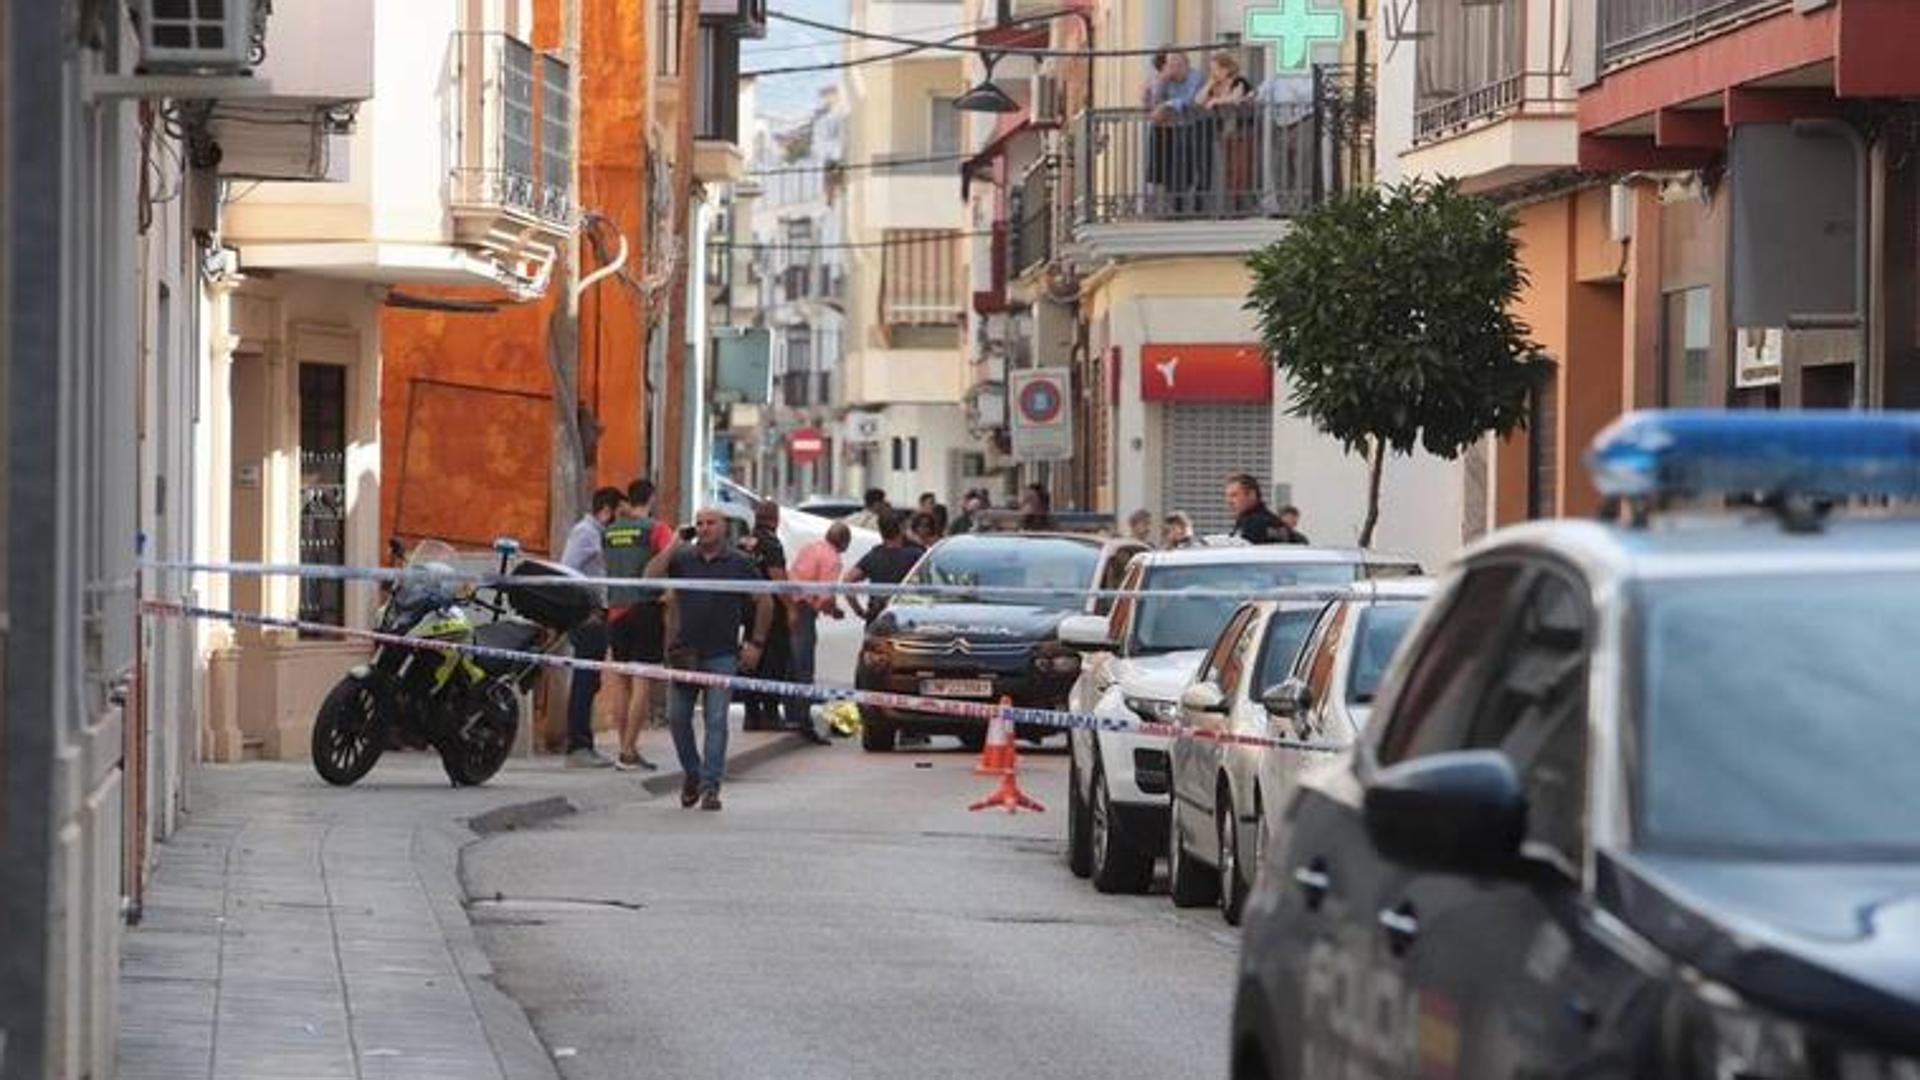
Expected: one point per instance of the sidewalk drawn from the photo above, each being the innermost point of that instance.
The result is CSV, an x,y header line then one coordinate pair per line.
x,y
293,929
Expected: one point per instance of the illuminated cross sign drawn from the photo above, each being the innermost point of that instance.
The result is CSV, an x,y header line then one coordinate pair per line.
x,y
1294,26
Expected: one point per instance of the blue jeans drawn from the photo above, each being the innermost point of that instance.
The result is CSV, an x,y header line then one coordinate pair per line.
x,y
711,768
589,641
806,638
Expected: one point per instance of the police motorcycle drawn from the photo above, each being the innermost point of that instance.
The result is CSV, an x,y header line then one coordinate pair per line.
x,y
463,705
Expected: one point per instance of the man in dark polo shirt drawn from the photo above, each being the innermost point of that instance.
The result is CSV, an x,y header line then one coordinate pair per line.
x,y
1252,521
703,634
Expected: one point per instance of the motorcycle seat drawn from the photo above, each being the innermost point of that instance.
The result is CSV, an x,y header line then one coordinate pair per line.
x,y
518,636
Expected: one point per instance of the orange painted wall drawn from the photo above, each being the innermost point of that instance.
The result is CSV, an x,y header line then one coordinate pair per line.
x,y
465,399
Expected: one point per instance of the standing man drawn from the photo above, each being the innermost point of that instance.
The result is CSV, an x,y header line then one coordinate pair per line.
x,y
1252,521
1176,532
769,556
1036,510
1290,520
586,552
1140,526
886,564
971,503
818,563
703,634
875,502
634,619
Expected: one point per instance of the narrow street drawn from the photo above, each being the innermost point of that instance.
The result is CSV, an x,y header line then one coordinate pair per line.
x,y
845,916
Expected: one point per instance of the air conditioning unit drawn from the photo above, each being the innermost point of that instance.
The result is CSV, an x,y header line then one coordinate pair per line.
x,y
1046,105
201,36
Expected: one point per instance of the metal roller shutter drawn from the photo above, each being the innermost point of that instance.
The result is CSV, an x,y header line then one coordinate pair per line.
x,y
1205,444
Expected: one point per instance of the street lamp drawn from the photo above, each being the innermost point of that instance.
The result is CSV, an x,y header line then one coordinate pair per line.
x,y
986,95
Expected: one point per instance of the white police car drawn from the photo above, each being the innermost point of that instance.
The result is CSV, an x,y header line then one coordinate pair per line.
x,y
1637,799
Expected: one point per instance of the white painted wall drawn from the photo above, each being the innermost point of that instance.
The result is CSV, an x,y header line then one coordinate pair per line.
x,y
1394,97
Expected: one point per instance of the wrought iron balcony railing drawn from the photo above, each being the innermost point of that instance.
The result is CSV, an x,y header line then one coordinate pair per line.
x,y
1630,29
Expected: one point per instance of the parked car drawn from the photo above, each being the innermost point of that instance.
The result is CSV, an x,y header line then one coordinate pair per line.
x,y
984,646
1217,797
1636,799
1138,662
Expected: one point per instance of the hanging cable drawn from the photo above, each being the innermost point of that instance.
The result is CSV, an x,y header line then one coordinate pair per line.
x,y
913,45
953,45
934,237
857,166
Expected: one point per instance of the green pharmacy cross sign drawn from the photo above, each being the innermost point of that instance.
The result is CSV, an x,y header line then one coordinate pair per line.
x,y
1294,26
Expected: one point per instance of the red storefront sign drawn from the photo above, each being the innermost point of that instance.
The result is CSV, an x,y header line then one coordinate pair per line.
x,y
1222,373
806,445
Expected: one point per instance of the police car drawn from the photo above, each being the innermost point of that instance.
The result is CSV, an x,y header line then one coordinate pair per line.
x,y
1636,799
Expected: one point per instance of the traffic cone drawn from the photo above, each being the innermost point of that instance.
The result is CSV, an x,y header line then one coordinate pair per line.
x,y
1008,794
996,757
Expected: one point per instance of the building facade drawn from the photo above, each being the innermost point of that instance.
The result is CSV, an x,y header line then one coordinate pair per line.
x,y
903,372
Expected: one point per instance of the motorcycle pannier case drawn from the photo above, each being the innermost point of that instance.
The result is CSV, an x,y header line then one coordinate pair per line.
x,y
561,607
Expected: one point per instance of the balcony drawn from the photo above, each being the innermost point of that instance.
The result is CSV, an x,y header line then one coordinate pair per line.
x,y
1033,217
717,157
1631,30
1221,183
512,179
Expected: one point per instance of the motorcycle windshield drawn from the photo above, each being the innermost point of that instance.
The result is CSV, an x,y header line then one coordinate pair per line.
x,y
431,558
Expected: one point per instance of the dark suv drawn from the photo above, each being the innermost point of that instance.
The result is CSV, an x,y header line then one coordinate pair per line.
x,y
981,646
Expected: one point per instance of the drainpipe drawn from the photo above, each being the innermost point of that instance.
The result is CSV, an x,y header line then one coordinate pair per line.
x,y
1858,320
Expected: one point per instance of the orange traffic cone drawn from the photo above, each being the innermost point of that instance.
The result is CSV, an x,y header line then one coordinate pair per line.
x,y
1008,794
996,757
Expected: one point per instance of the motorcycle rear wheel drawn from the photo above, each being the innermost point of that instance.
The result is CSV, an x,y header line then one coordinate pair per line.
x,y
348,734
473,759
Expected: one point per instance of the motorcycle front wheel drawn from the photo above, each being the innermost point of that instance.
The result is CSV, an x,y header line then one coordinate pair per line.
x,y
485,740
348,735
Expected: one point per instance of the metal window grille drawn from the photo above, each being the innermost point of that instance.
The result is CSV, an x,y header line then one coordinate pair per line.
x,y
323,487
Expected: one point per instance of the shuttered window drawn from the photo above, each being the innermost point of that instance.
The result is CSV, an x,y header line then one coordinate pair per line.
x,y
920,281
1203,444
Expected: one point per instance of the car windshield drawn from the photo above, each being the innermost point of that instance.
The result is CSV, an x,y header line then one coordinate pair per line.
x,y
1170,623
1286,632
1019,562
1778,717
1381,628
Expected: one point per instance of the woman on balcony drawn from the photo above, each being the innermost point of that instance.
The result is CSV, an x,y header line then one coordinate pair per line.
x,y
1227,98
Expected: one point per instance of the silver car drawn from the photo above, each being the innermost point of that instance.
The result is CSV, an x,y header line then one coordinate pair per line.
x,y
1295,670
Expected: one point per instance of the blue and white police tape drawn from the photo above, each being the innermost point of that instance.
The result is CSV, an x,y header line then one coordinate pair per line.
x,y
977,710
992,593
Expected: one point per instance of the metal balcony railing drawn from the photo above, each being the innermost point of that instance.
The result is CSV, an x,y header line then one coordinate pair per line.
x,y
1524,91
1242,161
514,142
1632,28
1033,219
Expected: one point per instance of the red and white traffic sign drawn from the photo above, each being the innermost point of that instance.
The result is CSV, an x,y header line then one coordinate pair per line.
x,y
806,445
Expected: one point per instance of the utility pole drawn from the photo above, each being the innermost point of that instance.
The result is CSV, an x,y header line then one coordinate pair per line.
x,y
566,476
675,469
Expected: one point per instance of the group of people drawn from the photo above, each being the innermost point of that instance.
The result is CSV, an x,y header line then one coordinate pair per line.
x,y
1203,120
1253,521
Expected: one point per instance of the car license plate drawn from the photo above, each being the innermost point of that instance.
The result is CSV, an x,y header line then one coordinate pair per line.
x,y
980,688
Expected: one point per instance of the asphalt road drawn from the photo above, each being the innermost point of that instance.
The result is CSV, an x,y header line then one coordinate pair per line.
x,y
845,916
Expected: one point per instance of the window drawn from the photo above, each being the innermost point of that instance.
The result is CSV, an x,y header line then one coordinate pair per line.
x,y
913,452
556,137
1447,675
943,127
920,279
323,488
1233,671
1213,670
1287,631
899,453
1687,349
1468,62
666,39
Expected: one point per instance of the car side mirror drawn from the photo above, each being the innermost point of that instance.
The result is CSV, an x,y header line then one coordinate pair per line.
x,y
1286,700
1464,812
1203,697
1090,633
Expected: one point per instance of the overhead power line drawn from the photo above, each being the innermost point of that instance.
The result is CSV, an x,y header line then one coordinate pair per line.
x,y
937,237
876,58
857,166
953,44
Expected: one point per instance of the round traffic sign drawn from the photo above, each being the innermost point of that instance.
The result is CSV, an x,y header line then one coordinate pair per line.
x,y
1040,401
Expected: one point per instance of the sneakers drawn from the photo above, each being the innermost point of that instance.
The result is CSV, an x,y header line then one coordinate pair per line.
x,y
689,792
630,760
710,798
588,758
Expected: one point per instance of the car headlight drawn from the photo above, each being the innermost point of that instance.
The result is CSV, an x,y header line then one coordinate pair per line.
x,y
1153,710
1725,1038
1055,661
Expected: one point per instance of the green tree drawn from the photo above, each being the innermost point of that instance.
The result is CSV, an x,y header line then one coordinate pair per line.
x,y
1389,312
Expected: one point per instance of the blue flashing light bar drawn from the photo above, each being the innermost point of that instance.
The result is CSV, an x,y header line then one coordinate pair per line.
x,y
1708,452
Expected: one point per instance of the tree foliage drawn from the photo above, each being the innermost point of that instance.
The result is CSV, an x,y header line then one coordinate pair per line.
x,y
1389,311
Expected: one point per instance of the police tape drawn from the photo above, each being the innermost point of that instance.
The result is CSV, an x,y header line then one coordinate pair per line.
x,y
882,699
1002,593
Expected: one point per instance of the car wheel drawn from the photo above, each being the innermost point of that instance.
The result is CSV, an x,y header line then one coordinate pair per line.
x,y
1120,863
1189,884
876,736
1079,847
1233,882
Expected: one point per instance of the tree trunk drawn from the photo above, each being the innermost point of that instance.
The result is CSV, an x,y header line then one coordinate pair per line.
x,y
1376,464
